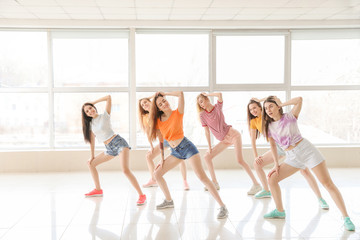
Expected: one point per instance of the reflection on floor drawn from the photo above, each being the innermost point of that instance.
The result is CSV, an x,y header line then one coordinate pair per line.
x,y
52,206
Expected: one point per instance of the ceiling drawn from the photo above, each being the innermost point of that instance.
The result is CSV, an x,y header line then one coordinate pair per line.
x,y
183,10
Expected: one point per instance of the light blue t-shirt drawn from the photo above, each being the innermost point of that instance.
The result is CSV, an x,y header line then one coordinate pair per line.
x,y
101,127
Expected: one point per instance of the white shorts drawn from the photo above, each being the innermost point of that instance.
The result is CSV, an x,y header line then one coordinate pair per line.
x,y
304,155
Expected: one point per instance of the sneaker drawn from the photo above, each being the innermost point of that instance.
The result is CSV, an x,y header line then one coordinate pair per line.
x,y
186,186
166,204
223,212
142,200
263,194
216,186
94,193
151,183
348,224
323,204
275,214
254,189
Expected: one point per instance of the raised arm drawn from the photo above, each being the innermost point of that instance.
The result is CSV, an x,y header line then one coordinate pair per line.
x,y
181,101
215,94
297,102
108,102
258,100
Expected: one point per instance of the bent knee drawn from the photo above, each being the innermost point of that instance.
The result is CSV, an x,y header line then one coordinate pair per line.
x,y
273,180
207,157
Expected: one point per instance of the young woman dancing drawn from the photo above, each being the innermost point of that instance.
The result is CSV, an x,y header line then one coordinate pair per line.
x,y
282,129
144,109
212,118
254,110
99,126
168,124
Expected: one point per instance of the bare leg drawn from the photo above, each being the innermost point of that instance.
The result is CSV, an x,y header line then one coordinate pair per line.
x,y
195,162
267,159
99,159
169,163
323,176
124,161
209,157
150,156
311,181
183,170
240,159
285,171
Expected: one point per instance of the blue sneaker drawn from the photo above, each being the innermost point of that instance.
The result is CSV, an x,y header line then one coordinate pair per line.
x,y
323,204
348,224
263,194
275,214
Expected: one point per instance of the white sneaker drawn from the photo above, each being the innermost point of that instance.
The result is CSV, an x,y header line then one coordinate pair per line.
x,y
254,189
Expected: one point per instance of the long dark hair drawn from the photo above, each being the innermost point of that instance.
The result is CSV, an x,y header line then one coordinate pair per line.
x,y
142,113
86,123
155,114
250,116
266,120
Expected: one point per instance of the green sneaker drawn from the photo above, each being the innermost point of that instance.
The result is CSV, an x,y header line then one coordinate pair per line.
x,y
323,204
348,224
275,214
263,194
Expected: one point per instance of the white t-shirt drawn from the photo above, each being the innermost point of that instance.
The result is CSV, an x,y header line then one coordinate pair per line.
x,y
101,127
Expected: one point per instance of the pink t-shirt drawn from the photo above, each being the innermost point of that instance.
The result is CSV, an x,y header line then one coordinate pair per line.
x,y
285,132
215,121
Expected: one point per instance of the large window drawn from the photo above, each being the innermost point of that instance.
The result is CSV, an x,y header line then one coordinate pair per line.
x,y
46,76
23,59
250,59
325,58
172,59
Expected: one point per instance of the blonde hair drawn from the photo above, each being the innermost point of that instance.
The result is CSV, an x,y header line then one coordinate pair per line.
x,y
199,108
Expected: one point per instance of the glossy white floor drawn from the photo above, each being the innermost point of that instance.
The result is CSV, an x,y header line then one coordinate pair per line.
x,y
52,206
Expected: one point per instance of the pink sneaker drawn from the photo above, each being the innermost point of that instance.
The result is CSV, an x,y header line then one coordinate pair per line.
x,y
94,193
151,183
186,186
142,200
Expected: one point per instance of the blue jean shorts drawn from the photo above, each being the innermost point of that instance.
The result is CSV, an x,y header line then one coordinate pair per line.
x,y
166,144
185,150
116,145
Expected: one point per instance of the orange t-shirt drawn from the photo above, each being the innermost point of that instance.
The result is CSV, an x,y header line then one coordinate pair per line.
x,y
172,129
256,123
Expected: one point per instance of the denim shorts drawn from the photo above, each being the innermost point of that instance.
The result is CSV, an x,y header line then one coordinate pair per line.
x,y
116,145
304,155
185,150
166,144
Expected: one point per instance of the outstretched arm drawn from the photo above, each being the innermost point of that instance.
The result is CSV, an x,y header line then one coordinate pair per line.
x,y
215,94
161,144
108,102
207,134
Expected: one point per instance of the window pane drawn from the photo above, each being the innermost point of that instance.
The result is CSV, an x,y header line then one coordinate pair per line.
x,y
235,112
68,125
325,62
23,59
172,59
192,126
86,62
24,120
330,116
250,59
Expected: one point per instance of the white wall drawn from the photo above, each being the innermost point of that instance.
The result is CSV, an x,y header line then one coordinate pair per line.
x,y
75,160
